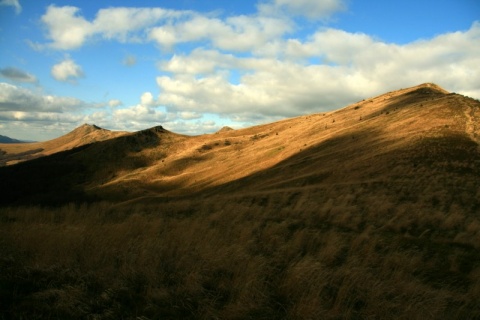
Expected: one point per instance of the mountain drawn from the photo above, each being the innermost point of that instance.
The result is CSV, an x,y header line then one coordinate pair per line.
x,y
85,134
5,139
398,137
369,211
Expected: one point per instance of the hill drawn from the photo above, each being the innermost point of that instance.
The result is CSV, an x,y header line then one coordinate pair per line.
x,y
392,136
369,211
15,152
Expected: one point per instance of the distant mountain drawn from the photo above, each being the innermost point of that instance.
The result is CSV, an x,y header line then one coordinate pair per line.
x,y
5,139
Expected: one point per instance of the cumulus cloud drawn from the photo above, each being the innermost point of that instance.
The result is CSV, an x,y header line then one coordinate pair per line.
x,y
113,103
140,116
287,90
68,29
189,115
288,87
12,3
13,99
17,75
121,23
65,27
199,61
32,115
147,100
238,33
193,128
67,70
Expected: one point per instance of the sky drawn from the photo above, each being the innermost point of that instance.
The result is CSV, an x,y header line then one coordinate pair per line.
x,y
194,66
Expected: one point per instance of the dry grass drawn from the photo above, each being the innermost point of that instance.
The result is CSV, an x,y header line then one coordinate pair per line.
x,y
368,212
248,258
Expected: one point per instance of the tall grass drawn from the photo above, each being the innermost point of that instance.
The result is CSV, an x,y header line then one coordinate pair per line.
x,y
248,258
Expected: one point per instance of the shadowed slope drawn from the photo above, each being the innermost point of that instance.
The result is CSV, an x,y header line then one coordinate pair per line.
x,y
66,176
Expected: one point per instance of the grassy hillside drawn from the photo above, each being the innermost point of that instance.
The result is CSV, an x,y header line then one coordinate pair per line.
x,y
386,139
368,212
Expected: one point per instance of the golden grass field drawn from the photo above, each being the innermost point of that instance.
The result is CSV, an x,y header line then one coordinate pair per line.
x,y
368,212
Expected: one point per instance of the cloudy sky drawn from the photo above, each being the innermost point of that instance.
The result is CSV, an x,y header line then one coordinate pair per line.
x,y
194,66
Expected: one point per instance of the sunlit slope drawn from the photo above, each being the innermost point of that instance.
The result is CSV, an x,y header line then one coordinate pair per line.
x,y
371,139
421,133
85,134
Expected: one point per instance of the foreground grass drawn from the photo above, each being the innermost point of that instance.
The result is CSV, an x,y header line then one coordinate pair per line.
x,y
250,259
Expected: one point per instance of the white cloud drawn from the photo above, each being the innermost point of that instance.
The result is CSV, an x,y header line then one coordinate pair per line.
x,y
188,115
192,127
120,23
286,90
67,29
147,100
113,103
140,116
34,116
288,87
39,117
199,61
17,75
238,33
67,70
13,3
138,113
30,115
13,98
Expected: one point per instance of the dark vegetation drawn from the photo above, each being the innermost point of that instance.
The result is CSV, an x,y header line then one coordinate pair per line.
x,y
344,252
62,177
27,155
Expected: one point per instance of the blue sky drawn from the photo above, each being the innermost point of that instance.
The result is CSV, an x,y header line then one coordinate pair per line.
x,y
194,66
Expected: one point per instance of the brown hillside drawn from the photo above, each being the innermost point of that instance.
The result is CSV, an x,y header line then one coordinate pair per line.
x,y
372,139
367,212
379,139
389,138
85,134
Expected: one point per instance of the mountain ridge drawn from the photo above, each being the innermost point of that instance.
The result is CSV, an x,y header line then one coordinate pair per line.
x,y
363,139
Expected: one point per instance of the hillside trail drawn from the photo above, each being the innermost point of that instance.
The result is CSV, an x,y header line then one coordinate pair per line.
x,y
472,124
